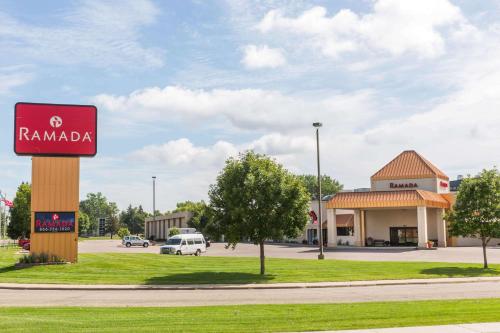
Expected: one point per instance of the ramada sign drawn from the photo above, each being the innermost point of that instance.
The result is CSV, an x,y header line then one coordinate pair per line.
x,y
55,129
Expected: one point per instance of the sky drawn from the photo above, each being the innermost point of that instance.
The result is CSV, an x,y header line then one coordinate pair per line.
x,y
181,86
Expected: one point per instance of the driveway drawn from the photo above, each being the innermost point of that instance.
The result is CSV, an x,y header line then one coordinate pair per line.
x,y
450,254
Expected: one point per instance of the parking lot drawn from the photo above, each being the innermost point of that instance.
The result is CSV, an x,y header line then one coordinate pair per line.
x,y
450,254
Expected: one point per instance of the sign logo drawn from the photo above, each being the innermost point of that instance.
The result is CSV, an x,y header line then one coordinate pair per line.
x,y
56,121
39,130
443,184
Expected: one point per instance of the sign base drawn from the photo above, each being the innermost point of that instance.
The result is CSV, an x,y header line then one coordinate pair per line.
x,y
55,187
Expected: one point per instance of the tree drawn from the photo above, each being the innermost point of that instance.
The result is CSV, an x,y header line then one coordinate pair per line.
x,y
255,198
476,212
20,214
173,231
199,210
133,218
328,185
96,206
122,232
84,224
112,225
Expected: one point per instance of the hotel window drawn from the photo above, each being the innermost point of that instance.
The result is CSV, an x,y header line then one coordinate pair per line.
x,y
345,231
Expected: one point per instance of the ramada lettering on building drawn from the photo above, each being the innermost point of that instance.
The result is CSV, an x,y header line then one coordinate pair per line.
x,y
403,185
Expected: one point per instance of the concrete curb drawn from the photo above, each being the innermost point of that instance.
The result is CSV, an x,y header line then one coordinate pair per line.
x,y
20,286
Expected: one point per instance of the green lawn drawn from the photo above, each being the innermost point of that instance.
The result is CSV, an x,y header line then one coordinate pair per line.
x,y
135,268
249,318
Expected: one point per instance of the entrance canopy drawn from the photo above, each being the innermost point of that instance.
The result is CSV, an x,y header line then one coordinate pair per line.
x,y
388,199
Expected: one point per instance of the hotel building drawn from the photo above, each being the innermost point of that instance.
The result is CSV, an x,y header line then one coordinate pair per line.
x,y
405,206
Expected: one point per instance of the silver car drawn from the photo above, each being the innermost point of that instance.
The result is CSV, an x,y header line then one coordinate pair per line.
x,y
129,241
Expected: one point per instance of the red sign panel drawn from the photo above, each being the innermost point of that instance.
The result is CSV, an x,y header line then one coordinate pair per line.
x,y
55,129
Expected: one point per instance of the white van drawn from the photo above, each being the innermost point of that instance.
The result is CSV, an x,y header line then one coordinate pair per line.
x,y
185,244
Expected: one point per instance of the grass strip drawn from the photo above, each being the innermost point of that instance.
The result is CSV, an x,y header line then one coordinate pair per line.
x,y
249,318
143,268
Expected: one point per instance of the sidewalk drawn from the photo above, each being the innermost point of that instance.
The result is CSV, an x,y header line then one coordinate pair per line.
x,y
459,328
248,286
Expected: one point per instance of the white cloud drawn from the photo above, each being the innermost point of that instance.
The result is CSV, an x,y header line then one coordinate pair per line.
x,y
394,27
97,33
250,109
276,144
262,56
8,81
183,153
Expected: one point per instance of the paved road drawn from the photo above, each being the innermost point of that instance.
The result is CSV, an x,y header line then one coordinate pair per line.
x,y
451,254
10,297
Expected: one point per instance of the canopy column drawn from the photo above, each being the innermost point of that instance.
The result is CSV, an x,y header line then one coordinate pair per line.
x,y
422,226
358,234
441,228
331,222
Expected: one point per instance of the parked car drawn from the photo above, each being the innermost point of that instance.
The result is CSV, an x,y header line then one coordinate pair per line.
x,y
129,241
24,243
185,244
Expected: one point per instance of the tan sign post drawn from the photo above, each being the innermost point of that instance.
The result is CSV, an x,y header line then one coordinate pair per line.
x,y
56,136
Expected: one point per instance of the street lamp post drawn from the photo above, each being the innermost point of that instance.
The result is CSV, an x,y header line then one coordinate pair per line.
x,y
320,218
154,198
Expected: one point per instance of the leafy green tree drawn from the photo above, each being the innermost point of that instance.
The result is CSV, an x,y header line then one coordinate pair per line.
x,y
96,206
122,232
199,210
173,231
20,214
476,212
112,225
328,185
133,218
84,224
255,198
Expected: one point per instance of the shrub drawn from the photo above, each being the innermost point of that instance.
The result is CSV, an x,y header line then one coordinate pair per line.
x,y
173,232
122,232
40,258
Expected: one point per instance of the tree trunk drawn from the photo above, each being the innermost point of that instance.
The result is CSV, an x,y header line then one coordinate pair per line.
x,y
484,252
262,258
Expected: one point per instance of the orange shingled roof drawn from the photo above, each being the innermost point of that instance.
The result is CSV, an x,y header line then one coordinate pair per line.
x,y
410,165
388,199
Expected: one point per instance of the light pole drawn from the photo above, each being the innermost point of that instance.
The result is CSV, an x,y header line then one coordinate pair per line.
x,y
154,198
320,218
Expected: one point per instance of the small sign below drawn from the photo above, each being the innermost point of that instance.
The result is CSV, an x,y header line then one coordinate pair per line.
x,y
55,222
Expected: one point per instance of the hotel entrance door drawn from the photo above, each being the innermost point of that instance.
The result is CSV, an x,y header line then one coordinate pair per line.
x,y
404,236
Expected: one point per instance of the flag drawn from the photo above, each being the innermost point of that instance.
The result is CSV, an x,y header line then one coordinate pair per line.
x,y
7,202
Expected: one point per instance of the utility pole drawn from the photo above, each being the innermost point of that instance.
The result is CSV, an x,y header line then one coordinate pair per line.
x,y
154,198
320,222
